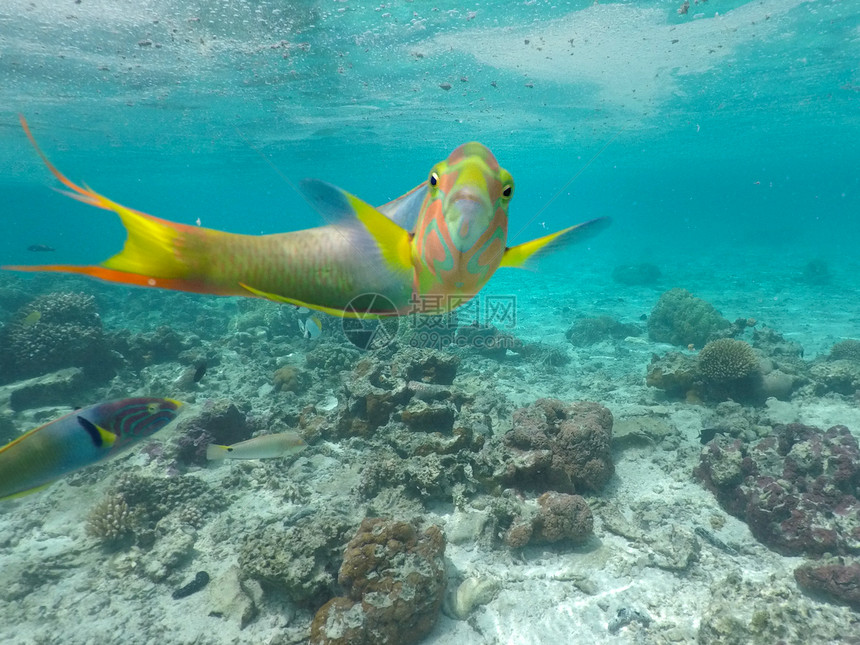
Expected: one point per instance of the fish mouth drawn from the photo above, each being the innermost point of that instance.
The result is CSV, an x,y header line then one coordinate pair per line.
x,y
468,218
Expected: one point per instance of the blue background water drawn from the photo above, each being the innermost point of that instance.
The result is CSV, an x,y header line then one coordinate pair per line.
x,y
727,136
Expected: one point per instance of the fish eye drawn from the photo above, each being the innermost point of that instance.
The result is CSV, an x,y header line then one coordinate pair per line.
x,y
434,178
152,408
508,190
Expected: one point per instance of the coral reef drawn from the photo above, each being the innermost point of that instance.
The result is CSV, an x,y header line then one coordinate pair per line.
x,y
733,420
436,416
729,369
331,358
556,446
218,422
56,388
588,331
832,577
840,376
675,373
680,318
797,489
289,378
56,330
378,387
764,612
186,499
395,580
301,560
149,348
111,520
558,517
848,349
726,360
636,274
432,470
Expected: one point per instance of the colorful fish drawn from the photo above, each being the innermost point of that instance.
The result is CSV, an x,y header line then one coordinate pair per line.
x,y
311,327
79,439
427,251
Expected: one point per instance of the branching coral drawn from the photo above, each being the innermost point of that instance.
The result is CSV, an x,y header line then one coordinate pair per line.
x,y
727,359
60,329
845,350
111,520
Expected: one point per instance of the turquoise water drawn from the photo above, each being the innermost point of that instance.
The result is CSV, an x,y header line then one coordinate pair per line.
x,y
723,142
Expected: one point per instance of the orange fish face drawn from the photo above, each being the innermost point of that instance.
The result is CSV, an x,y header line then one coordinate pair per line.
x,y
462,229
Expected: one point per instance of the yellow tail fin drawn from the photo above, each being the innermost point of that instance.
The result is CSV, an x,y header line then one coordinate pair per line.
x,y
151,256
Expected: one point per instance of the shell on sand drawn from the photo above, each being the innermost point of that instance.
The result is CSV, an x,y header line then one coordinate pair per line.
x,y
471,593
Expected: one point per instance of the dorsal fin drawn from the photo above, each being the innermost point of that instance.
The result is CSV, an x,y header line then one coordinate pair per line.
x,y
344,209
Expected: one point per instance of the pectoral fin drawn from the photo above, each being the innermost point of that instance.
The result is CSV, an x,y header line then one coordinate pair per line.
x,y
100,437
519,256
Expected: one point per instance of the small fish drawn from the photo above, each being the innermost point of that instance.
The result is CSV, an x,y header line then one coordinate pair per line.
x,y
31,319
267,446
79,439
311,327
40,248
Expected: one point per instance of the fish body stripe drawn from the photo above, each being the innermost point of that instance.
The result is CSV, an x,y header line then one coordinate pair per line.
x,y
446,272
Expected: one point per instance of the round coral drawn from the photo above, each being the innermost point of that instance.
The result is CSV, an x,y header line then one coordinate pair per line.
x,y
845,350
680,318
727,359
563,517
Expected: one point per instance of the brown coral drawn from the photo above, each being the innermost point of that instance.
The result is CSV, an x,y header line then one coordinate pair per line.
x,y
848,349
289,379
55,330
559,517
559,446
835,578
395,581
562,517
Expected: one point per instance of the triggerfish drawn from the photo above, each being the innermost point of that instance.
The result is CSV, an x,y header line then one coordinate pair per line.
x,y
79,439
266,446
426,252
